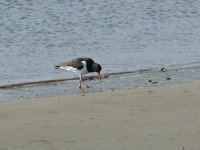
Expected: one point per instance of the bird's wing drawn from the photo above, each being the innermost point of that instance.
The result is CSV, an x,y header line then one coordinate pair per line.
x,y
75,63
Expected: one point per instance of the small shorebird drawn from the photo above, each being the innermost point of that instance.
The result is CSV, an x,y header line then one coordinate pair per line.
x,y
82,65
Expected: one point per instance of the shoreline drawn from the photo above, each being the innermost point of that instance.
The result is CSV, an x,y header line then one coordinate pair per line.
x,y
89,77
113,81
164,117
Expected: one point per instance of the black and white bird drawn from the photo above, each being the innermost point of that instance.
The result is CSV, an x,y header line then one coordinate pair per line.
x,y
82,65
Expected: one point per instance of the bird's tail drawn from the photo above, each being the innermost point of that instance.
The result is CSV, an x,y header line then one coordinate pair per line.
x,y
56,67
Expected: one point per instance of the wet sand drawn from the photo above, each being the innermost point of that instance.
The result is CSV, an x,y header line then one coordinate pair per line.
x,y
156,118
111,81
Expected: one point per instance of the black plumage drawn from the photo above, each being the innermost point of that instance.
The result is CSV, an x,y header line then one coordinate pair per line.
x,y
81,65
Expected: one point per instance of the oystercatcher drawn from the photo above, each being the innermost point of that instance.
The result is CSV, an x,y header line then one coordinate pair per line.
x,y
82,65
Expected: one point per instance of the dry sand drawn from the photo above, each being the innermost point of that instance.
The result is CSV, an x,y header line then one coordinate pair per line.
x,y
161,118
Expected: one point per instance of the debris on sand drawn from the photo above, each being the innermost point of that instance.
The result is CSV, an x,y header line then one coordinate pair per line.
x,y
163,69
168,78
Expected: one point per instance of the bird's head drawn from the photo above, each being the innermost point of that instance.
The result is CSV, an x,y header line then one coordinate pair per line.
x,y
98,68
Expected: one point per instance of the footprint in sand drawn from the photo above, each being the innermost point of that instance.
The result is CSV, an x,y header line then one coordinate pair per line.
x,y
2,115
39,144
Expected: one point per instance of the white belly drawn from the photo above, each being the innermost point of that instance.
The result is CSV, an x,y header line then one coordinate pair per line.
x,y
75,70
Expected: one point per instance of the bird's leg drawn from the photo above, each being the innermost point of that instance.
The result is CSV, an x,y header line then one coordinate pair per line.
x,y
87,86
81,80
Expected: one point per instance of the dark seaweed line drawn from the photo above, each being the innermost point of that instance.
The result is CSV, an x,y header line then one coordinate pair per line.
x,y
33,83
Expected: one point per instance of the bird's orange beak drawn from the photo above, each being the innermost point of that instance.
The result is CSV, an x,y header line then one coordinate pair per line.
x,y
99,76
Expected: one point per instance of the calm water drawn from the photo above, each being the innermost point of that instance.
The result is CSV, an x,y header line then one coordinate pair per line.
x,y
121,35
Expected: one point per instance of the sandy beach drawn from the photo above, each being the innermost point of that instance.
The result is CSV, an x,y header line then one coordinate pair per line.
x,y
156,118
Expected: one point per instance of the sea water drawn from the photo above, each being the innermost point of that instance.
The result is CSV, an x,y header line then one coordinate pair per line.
x,y
124,35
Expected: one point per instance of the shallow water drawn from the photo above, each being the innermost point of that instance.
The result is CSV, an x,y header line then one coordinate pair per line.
x,y
149,78
121,35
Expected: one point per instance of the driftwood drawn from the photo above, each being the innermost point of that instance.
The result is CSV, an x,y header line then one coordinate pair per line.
x,y
18,85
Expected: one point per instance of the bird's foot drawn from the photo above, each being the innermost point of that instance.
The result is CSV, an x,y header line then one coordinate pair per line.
x,y
80,87
87,86
83,83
